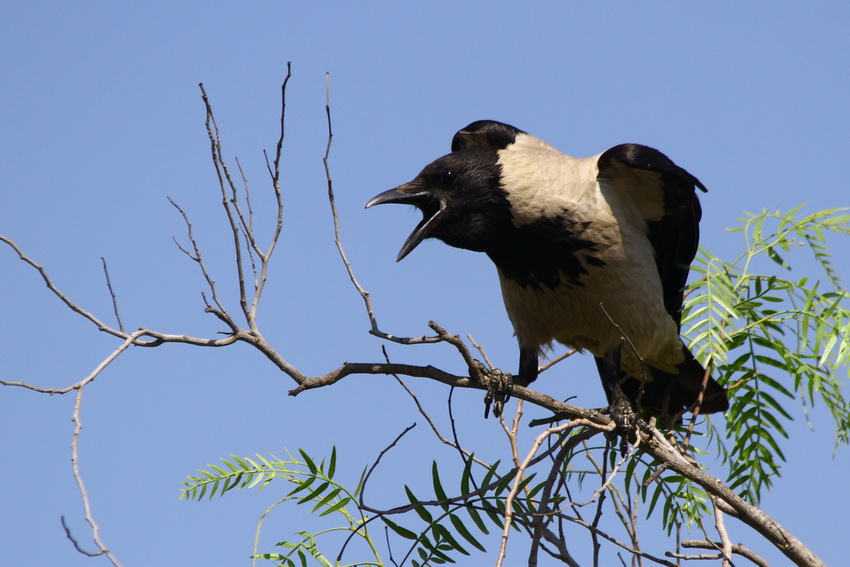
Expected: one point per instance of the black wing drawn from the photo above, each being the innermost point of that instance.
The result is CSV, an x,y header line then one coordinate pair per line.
x,y
666,196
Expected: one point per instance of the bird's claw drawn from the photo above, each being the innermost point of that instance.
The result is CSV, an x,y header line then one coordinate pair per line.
x,y
622,412
624,417
499,391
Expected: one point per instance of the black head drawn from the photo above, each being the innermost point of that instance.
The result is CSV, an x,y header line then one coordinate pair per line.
x,y
461,200
485,133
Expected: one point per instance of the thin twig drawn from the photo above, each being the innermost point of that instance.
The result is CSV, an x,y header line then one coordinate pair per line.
x,y
226,185
266,257
196,255
378,460
508,516
367,301
112,295
481,351
70,304
720,525
556,360
697,404
76,418
737,549
427,417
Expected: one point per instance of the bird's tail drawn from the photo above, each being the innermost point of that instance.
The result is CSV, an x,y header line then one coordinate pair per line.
x,y
671,393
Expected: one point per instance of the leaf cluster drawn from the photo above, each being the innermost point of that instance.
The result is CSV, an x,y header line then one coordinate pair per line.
x,y
314,485
773,339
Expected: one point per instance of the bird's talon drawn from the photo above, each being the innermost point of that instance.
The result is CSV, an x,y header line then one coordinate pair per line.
x,y
499,391
622,413
480,370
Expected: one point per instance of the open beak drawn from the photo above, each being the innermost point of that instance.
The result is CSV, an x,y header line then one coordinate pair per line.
x,y
414,194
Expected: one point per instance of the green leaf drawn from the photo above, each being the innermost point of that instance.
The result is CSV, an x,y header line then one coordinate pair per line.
x,y
332,465
403,532
308,461
322,487
466,475
338,506
464,532
324,501
302,485
447,536
418,508
438,488
476,518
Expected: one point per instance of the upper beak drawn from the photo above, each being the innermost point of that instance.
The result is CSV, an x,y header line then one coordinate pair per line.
x,y
413,194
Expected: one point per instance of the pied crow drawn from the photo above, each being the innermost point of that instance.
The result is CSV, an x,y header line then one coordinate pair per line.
x,y
592,253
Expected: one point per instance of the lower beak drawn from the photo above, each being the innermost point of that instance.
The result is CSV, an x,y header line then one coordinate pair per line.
x,y
425,200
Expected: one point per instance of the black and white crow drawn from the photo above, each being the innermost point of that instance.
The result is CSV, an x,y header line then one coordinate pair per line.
x,y
592,253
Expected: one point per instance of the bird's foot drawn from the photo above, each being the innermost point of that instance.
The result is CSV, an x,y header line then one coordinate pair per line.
x,y
621,410
499,391
625,418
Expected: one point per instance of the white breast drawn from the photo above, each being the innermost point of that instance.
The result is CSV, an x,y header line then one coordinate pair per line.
x,y
623,297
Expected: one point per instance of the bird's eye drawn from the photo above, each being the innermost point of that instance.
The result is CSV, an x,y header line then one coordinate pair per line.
x,y
448,176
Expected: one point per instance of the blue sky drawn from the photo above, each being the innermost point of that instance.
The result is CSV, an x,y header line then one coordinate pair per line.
x,y
101,119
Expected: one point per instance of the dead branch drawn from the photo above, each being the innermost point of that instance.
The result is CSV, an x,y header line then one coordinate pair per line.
x,y
657,446
737,549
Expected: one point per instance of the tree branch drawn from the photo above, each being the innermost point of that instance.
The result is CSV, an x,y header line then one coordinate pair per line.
x,y
654,443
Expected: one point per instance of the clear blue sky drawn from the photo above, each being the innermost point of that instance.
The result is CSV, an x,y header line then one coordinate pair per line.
x,y
101,119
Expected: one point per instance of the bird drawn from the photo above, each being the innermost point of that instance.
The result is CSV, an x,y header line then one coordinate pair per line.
x,y
592,253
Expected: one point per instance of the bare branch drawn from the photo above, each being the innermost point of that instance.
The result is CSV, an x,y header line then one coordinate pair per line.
x,y
70,304
657,446
196,256
226,185
737,549
241,222
370,312
524,466
378,460
112,295
556,360
481,351
453,444
720,525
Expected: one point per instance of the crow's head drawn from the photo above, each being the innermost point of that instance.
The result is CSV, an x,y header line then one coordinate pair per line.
x,y
461,200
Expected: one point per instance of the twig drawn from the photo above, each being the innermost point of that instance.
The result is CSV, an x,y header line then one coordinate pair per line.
x,y
697,404
423,413
455,340
219,310
556,360
370,312
75,461
112,295
719,524
610,478
620,503
620,544
519,475
737,549
567,443
266,257
70,304
226,185
378,460
481,351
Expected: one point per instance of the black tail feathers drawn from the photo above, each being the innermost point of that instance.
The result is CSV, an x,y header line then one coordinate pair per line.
x,y
668,394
